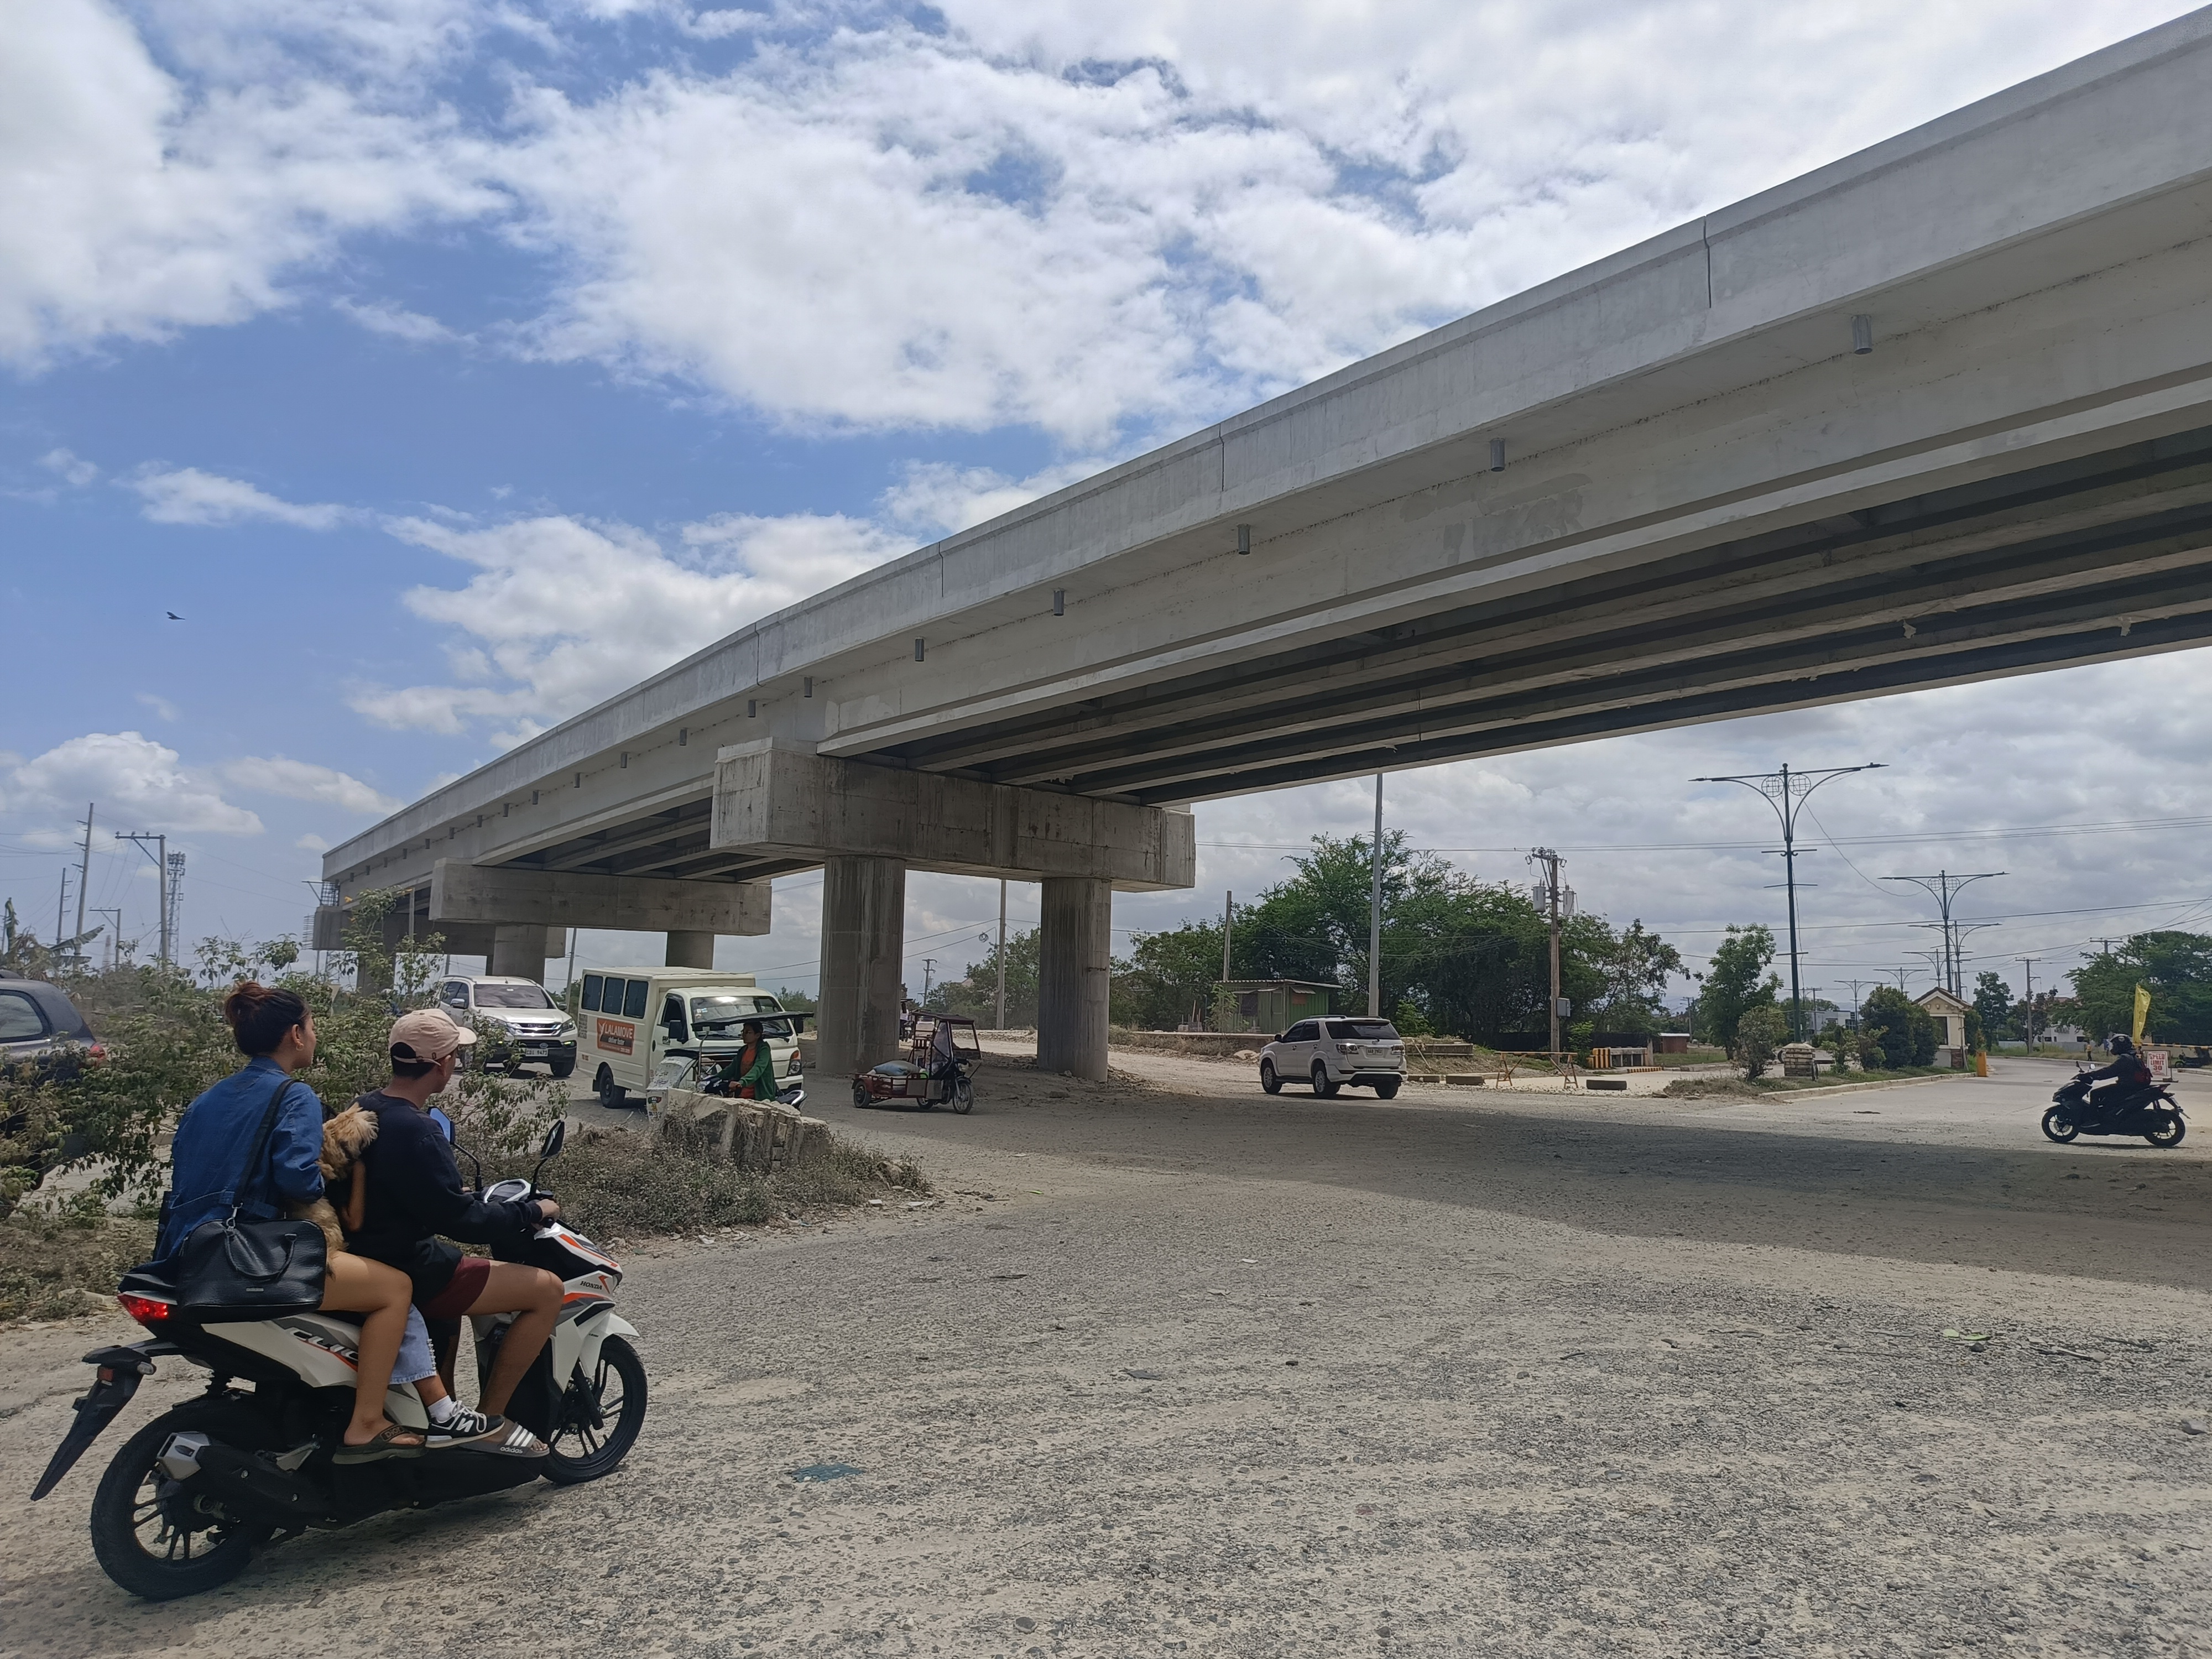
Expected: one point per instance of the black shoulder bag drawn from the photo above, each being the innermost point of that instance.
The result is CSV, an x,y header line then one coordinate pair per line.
x,y
235,1268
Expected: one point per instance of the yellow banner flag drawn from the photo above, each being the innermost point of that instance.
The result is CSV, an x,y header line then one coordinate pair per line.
x,y
2143,1013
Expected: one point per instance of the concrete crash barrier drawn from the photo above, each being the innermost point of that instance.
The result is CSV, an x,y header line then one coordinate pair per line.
x,y
760,1135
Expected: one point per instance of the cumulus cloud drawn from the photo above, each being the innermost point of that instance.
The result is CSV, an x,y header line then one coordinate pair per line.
x,y
562,613
187,495
142,201
1103,221
312,843
73,470
161,706
937,498
305,781
132,777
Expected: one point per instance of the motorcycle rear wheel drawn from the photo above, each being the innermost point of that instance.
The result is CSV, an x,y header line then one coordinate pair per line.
x,y
615,1393
2170,1134
2059,1124
132,1532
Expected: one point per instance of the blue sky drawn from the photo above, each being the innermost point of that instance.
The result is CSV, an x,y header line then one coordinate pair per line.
x,y
446,366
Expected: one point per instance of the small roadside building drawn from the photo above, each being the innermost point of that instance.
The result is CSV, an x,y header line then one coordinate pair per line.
x,y
1269,1004
1950,1017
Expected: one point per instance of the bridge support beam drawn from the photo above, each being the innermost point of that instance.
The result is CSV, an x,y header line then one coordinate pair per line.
x,y
1075,968
863,939
570,898
689,949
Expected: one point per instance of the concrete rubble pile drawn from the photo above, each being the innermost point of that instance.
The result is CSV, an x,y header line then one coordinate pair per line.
x,y
760,1135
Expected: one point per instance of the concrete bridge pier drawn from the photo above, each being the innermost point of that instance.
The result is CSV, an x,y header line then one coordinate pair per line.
x,y
862,940
868,826
689,948
1075,968
520,948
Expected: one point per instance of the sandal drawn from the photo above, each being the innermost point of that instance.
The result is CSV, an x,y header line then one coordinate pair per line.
x,y
384,1444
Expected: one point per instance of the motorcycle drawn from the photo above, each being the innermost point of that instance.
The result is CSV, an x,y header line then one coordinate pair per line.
x,y
2151,1112
188,1499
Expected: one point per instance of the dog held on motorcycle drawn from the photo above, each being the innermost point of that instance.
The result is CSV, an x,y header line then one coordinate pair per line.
x,y
189,1498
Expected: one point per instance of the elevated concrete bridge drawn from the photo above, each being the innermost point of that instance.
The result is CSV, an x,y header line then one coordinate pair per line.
x,y
1940,412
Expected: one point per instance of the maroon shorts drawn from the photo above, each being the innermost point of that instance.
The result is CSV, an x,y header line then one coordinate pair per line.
x,y
461,1292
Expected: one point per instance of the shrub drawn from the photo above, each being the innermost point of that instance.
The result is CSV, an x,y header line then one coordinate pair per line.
x,y
1758,1033
1902,1031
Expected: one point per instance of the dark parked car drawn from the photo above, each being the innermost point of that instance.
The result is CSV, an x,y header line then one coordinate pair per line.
x,y
38,1020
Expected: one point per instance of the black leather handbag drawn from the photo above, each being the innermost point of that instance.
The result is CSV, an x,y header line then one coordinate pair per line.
x,y
238,1268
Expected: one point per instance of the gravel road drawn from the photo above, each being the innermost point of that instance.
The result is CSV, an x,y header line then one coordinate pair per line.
x,y
1175,1369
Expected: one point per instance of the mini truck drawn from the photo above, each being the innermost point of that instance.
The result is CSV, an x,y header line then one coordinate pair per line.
x,y
630,1020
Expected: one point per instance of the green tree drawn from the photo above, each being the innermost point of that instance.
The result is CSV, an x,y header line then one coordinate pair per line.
x,y
1900,1027
1760,1032
2175,968
1168,978
975,993
1736,981
1993,1001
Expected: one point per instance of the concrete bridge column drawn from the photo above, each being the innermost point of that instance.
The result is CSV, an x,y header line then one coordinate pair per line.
x,y
863,939
520,949
1075,970
688,948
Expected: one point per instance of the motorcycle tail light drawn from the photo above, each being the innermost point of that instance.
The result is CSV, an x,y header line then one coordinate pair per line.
x,y
148,1311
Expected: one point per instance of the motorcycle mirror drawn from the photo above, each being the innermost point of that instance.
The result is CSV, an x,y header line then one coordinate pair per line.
x,y
474,1160
554,1137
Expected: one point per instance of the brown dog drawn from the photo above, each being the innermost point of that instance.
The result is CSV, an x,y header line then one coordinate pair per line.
x,y
346,1137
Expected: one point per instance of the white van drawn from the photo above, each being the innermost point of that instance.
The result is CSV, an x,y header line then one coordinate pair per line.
x,y
629,1019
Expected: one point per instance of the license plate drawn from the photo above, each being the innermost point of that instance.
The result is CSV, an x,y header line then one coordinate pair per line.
x,y
537,1048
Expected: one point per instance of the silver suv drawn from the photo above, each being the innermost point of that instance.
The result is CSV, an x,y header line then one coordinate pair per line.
x,y
538,1028
1327,1053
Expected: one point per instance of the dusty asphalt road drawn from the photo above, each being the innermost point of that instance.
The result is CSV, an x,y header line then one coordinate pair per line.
x,y
1192,1371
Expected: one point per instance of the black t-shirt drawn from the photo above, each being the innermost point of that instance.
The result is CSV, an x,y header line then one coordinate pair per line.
x,y
415,1194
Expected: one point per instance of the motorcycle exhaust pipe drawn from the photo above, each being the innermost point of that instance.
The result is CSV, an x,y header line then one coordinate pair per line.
x,y
254,1484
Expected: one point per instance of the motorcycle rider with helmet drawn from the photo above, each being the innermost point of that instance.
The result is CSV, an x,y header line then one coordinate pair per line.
x,y
2126,1073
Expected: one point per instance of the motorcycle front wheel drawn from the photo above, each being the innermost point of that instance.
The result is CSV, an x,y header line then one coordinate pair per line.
x,y
2059,1124
963,1096
600,1416
2169,1133
157,1544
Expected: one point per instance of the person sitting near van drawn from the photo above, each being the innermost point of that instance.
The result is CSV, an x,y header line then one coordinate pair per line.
x,y
274,1031
750,1075
413,1194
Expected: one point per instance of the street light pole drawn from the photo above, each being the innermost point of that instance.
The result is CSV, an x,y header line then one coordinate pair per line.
x,y
1785,792
2028,963
1375,913
1943,887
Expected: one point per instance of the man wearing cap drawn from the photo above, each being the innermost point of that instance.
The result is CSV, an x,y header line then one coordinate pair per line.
x,y
414,1201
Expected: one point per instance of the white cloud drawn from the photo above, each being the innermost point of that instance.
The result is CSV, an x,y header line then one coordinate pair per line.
x,y
304,781
540,631
396,322
312,843
133,778
161,706
139,203
187,495
937,499
73,469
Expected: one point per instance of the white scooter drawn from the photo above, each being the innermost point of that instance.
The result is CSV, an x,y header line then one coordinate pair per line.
x,y
187,1500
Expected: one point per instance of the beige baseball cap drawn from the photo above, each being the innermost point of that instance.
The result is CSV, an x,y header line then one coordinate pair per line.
x,y
427,1034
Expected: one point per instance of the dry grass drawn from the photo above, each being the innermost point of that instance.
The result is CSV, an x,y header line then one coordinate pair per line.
x,y
51,1266
615,1185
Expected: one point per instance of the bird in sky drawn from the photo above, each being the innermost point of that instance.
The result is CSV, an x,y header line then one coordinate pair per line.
x,y
174,617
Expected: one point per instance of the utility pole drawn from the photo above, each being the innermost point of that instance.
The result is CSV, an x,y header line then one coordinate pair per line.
x,y
998,1014
84,872
1375,913
1943,887
2028,963
928,964
115,938
172,907
1549,890
161,857
1785,792
1855,984
1228,921
61,910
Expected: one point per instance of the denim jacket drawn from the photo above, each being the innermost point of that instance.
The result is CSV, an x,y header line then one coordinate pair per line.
x,y
215,1133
